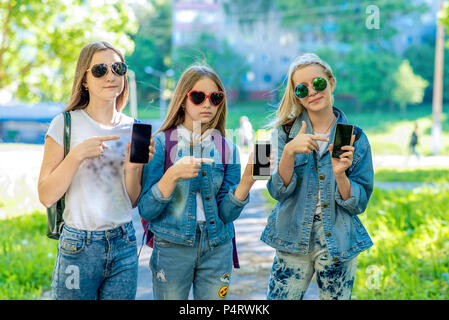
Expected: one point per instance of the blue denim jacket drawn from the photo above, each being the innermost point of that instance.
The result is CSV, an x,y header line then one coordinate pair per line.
x,y
174,218
289,224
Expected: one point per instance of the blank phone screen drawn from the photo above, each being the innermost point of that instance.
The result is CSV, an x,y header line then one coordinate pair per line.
x,y
262,159
343,133
140,143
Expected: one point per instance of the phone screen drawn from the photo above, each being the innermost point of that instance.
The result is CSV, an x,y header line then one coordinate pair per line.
x,y
261,165
140,142
343,133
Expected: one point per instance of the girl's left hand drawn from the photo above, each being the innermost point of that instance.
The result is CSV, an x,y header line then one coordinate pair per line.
x,y
342,164
134,166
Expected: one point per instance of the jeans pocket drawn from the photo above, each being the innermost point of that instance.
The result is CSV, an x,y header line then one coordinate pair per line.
x,y
161,242
130,237
71,245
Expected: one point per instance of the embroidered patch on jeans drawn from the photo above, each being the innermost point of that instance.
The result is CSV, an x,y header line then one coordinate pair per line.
x,y
223,291
226,278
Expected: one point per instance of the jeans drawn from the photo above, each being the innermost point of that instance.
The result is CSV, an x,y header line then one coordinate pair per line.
x,y
96,265
176,267
291,273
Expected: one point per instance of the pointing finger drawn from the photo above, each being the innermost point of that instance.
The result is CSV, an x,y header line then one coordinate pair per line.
x,y
303,128
107,138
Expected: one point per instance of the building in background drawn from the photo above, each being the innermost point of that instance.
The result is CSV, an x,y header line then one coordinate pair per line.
x,y
267,46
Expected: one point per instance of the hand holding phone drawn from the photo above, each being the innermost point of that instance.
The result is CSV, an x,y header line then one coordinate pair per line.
x,y
140,143
343,135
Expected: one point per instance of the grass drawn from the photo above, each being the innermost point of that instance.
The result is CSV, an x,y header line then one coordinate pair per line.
x,y
27,257
410,233
434,175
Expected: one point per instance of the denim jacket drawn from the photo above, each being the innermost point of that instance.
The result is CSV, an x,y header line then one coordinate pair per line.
x,y
174,218
289,224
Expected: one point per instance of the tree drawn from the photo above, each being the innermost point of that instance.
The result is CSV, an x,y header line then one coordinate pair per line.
x,y
409,87
40,42
153,46
217,54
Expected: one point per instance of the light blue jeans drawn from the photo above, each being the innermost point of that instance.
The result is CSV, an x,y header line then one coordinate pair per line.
x,y
175,268
291,273
96,265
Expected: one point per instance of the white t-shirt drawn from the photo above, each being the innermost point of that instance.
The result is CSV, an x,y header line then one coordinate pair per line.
x,y
96,200
323,147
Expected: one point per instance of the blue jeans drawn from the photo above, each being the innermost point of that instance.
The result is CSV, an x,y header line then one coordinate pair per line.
x,y
291,273
96,265
176,267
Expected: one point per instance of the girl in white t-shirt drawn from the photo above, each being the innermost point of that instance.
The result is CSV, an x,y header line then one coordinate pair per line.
x,y
97,254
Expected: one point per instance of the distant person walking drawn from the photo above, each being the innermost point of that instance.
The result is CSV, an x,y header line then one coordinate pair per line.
x,y
245,131
414,142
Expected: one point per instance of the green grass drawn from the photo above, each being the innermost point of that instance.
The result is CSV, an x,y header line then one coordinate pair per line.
x,y
27,257
409,258
435,175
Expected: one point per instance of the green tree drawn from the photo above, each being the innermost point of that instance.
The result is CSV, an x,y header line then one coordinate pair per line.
x,y
364,76
409,86
40,42
348,21
218,54
153,46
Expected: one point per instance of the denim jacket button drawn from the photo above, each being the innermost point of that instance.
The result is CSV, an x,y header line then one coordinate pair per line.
x,y
203,173
335,259
328,234
212,222
215,245
207,198
321,176
324,205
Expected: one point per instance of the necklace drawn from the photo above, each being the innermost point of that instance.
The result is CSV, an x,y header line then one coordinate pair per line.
x,y
332,122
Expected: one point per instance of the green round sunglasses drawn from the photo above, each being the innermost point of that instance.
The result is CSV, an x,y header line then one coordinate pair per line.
x,y
319,84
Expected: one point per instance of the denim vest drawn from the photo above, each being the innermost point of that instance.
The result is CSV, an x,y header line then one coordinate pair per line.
x,y
174,218
290,222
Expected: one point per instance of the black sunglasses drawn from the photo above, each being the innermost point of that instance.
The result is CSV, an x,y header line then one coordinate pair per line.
x,y
319,84
101,69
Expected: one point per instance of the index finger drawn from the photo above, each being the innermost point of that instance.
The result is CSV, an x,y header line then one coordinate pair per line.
x,y
204,160
319,138
107,138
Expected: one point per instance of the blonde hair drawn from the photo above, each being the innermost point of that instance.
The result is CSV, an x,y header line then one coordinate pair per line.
x,y
290,107
176,114
79,98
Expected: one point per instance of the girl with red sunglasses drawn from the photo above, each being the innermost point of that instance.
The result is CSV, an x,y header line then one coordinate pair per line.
x,y
192,192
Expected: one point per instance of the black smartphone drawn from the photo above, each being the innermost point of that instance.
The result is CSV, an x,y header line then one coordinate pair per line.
x,y
140,142
343,134
261,166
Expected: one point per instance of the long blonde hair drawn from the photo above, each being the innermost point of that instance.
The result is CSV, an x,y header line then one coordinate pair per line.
x,y
176,114
79,98
290,107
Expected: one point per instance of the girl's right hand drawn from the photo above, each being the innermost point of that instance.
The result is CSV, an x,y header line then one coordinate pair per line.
x,y
188,167
303,143
91,147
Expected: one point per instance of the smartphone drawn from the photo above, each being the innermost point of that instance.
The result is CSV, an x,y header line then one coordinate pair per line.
x,y
261,166
140,143
343,134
